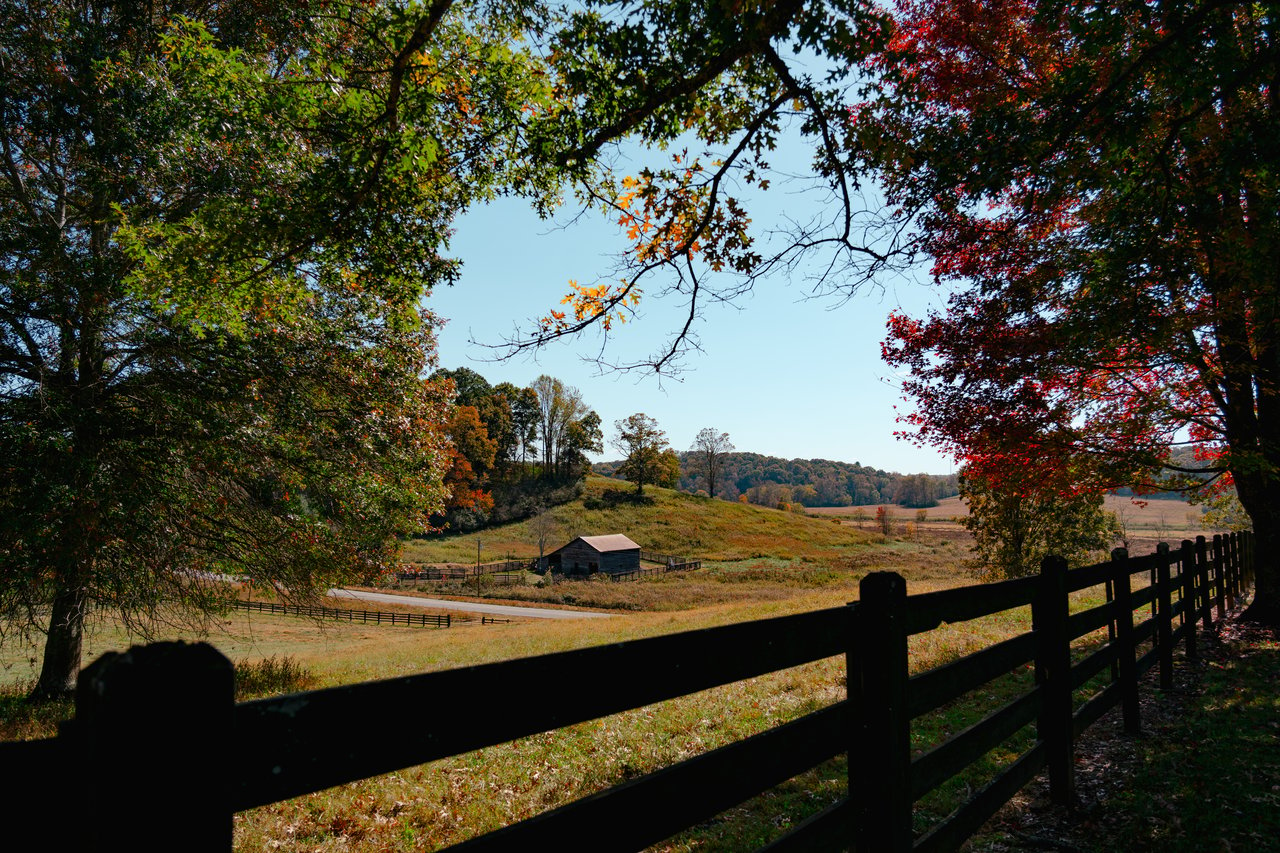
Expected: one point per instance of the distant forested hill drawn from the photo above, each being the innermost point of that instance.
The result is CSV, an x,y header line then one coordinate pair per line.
x,y
770,480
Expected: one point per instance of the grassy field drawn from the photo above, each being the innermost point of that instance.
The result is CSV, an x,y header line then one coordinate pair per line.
x,y
760,563
1145,523
667,521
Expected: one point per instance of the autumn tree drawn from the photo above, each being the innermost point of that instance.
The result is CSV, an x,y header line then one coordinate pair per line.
x,y
884,519
642,444
1018,521
491,406
667,471
469,499
709,449
1097,184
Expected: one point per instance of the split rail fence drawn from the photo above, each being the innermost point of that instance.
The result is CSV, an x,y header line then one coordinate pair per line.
x,y
159,756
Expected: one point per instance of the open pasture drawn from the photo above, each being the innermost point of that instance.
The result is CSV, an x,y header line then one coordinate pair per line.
x,y
816,564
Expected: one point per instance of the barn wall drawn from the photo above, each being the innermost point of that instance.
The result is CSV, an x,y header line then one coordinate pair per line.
x,y
584,555
620,561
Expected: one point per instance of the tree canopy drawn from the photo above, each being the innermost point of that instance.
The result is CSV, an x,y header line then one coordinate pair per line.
x,y
216,226
708,451
1099,184
648,457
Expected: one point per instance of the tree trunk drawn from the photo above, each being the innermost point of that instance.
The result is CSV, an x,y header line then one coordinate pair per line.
x,y
1264,512
63,645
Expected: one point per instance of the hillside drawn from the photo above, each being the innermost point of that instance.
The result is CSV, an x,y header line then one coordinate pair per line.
x,y
669,521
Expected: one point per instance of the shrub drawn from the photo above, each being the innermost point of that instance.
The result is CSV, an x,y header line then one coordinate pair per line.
x,y
271,675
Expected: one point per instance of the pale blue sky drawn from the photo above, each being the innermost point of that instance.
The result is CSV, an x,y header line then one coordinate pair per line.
x,y
783,375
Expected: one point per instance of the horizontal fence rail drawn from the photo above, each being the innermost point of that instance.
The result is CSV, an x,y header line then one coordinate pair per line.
x,y
513,571
170,705
368,617
375,617
462,571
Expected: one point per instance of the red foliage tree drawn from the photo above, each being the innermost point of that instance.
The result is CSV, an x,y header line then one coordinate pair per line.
x,y
1098,182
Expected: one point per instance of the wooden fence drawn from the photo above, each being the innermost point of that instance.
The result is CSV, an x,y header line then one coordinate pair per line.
x,y
462,571
636,574
375,617
665,559
159,755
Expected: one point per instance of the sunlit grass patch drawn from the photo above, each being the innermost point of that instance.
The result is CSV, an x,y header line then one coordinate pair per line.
x,y
271,675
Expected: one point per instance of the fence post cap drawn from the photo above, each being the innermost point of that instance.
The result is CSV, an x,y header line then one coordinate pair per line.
x,y
883,584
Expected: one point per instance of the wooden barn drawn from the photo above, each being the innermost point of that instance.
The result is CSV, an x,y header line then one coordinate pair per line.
x,y
590,554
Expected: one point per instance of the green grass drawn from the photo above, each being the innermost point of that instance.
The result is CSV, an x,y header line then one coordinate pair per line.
x,y
1209,779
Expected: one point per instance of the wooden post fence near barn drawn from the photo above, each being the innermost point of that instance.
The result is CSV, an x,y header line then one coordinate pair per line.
x,y
159,756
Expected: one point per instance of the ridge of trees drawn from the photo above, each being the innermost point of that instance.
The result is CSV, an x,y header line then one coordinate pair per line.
x,y
770,480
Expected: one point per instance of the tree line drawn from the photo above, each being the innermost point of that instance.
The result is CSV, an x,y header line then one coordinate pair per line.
x,y
771,480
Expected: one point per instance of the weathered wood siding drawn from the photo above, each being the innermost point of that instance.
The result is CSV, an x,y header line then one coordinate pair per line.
x,y
580,558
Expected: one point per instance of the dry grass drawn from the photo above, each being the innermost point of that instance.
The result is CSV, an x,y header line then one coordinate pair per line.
x,y
817,564
669,522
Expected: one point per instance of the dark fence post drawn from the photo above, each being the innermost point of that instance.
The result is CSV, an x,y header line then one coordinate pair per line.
x,y
1164,616
1049,612
1187,576
154,727
1220,574
880,754
1110,589
1232,541
1233,569
1202,582
1126,648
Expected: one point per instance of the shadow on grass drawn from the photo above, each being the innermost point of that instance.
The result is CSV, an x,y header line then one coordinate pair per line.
x,y
612,498
1203,775
21,719
1208,778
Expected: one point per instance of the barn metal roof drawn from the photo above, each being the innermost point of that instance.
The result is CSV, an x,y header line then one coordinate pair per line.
x,y
612,542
